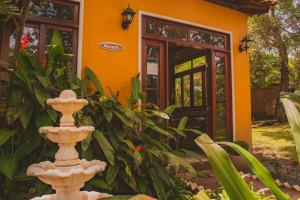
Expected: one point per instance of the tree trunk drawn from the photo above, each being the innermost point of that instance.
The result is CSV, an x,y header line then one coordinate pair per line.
x,y
284,68
284,65
284,80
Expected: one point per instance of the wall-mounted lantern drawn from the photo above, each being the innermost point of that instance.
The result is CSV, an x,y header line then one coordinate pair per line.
x,y
245,44
127,15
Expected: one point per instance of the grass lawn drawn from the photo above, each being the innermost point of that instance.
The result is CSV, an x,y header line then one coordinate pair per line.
x,y
274,141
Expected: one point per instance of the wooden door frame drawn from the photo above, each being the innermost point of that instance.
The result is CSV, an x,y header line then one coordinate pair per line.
x,y
229,70
228,89
162,69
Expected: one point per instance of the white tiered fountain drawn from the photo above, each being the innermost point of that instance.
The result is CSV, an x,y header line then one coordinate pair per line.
x,y
68,173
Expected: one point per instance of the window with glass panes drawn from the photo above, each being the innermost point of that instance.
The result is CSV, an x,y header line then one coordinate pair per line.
x,y
44,17
189,82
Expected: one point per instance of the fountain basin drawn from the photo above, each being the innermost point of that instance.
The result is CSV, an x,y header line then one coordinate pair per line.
x,y
66,134
66,181
84,195
66,137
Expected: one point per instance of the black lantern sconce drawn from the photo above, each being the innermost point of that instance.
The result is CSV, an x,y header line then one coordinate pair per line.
x,y
127,15
245,44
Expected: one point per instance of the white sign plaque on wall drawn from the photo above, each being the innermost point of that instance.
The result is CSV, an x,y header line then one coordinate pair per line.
x,y
111,46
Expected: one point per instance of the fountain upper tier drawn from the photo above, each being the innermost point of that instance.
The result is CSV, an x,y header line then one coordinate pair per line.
x,y
67,103
66,138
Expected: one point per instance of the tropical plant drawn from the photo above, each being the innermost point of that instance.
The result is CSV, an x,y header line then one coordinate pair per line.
x,y
133,139
8,9
135,142
228,176
291,105
20,143
14,13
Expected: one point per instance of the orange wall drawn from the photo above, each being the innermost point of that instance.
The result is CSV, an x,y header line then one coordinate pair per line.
x,y
102,21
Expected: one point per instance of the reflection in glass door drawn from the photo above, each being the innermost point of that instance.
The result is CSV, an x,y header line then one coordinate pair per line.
x,y
222,96
153,72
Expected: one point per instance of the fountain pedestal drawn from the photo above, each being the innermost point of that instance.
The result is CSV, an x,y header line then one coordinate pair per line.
x,y
68,173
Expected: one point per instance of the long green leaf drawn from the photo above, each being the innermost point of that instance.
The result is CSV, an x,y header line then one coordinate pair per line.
x,y
160,130
86,142
159,114
135,89
25,149
5,134
177,162
182,123
105,146
26,116
8,167
91,76
112,173
99,183
293,116
170,109
41,95
259,169
124,119
224,170
158,186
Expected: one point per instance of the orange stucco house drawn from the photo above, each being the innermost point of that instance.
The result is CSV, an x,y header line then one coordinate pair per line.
x,y
190,53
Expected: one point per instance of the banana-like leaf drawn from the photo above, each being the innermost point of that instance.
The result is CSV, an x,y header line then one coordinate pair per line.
x,y
170,109
5,134
105,146
159,114
158,185
225,172
259,169
124,119
177,162
8,167
91,76
135,90
8,8
182,123
293,116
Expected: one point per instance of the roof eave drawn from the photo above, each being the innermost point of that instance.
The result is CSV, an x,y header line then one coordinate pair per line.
x,y
250,7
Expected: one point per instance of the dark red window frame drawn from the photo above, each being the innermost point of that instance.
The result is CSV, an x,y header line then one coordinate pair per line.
x,y
44,24
213,51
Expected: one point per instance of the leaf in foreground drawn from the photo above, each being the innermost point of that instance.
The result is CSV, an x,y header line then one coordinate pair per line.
x,y
224,170
259,169
294,120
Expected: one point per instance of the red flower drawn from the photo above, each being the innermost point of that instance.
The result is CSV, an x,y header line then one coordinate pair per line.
x,y
138,149
24,42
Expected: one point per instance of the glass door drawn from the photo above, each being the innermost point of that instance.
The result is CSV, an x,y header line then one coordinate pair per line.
x,y
221,95
154,72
